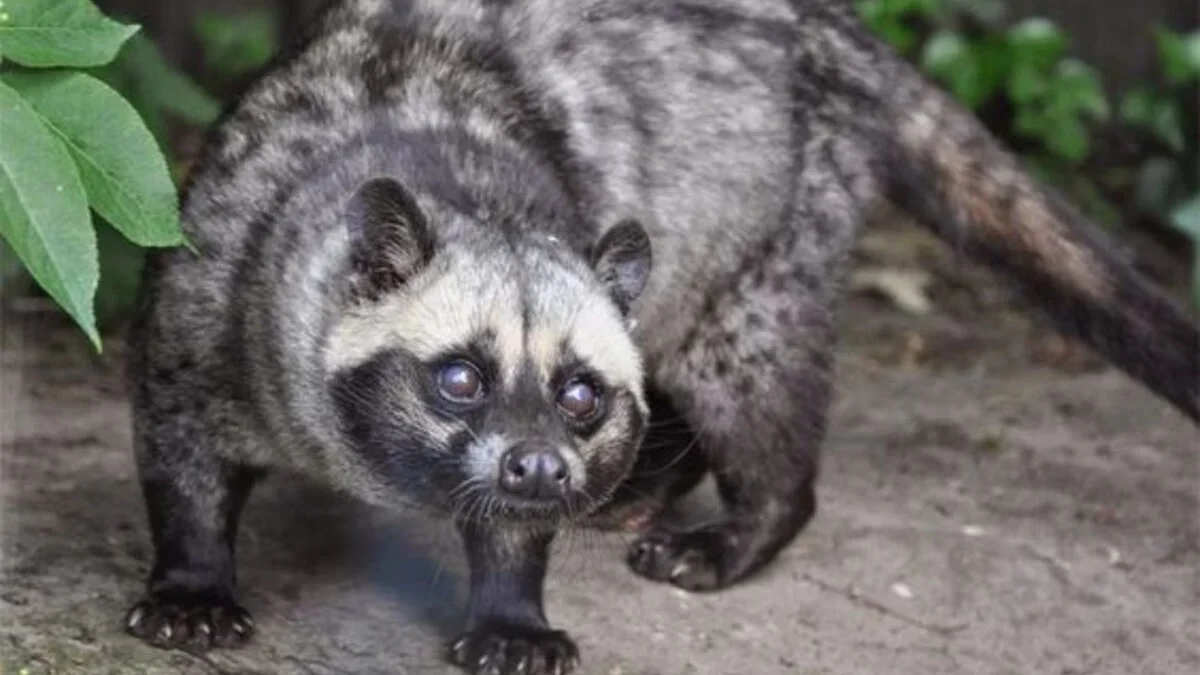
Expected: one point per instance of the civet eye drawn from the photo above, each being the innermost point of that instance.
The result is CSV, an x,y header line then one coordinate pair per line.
x,y
460,382
579,399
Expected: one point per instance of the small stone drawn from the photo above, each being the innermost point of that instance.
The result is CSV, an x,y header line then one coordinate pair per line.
x,y
1114,556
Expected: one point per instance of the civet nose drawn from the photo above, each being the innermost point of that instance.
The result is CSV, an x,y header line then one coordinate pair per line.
x,y
534,472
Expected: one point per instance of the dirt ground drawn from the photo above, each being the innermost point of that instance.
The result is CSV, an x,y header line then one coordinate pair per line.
x,y
992,502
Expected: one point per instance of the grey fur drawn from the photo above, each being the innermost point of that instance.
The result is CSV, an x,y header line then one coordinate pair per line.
x,y
750,138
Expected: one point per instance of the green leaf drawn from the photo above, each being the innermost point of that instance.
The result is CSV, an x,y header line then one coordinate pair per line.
x,y
1186,219
1029,122
1037,42
1137,106
236,44
994,57
1062,133
892,20
1191,45
899,36
1077,86
122,169
1167,124
156,89
149,81
1180,55
54,33
1026,84
44,213
949,57
1159,115
945,51
870,11
926,8
897,10
971,86
1071,142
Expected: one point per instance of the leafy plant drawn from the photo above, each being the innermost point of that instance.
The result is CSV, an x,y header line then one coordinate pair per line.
x,y
1158,111
155,89
161,95
1168,184
1054,98
1186,218
1052,108
896,20
1017,78
71,146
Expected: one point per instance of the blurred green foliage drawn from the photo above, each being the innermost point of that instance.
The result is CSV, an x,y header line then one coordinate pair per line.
x,y
238,44
157,90
1053,108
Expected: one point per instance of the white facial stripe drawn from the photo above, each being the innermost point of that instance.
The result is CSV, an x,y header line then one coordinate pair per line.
x,y
543,345
598,336
444,307
567,310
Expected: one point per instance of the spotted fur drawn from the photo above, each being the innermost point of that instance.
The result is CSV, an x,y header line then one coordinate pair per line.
x,y
660,194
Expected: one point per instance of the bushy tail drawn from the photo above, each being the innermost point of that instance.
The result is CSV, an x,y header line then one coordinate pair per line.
x,y
952,175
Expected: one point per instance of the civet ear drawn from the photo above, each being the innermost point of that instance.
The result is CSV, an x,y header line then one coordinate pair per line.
x,y
391,237
621,259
